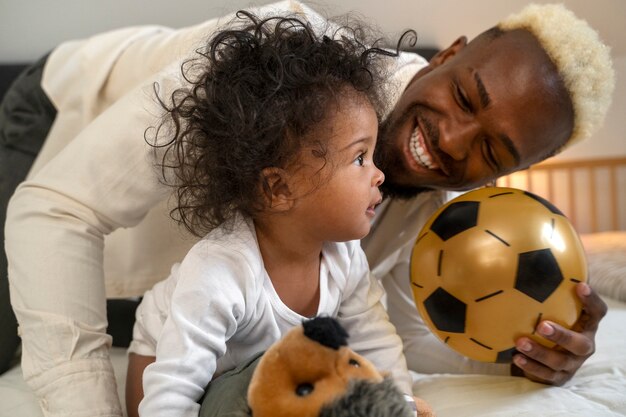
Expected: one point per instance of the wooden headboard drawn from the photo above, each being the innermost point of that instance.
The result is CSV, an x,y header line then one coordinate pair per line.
x,y
591,193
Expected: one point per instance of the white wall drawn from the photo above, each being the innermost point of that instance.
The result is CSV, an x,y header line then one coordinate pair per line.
x,y
29,28
610,140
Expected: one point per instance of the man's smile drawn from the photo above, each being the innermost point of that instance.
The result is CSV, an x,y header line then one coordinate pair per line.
x,y
420,151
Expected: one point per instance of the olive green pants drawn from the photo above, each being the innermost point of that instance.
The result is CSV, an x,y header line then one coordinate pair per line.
x,y
226,396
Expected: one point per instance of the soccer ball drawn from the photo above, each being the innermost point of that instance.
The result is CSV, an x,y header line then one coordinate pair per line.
x,y
492,263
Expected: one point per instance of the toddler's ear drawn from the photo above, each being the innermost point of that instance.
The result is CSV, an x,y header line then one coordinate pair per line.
x,y
275,188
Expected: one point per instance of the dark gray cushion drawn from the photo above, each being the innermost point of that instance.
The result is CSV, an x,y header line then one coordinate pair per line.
x,y
26,115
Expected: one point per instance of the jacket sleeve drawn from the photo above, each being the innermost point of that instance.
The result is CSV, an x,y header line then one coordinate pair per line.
x,y
56,223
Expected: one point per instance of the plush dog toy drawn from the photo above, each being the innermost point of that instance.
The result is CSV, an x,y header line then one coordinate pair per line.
x,y
310,372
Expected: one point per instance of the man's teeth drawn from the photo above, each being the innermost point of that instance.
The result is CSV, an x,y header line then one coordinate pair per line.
x,y
419,151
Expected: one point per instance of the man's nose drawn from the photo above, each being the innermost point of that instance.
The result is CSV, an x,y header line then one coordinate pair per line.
x,y
457,136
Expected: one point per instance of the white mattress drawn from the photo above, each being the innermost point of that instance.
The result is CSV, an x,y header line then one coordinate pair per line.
x,y
597,390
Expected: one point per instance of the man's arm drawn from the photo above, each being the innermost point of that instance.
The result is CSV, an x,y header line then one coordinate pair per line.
x,y
424,352
55,228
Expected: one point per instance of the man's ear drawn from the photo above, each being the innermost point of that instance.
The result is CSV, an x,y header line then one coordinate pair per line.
x,y
275,189
445,54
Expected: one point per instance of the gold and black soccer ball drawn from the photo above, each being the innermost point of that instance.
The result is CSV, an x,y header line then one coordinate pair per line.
x,y
492,263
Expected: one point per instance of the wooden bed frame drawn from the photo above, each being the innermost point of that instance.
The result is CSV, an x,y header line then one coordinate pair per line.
x,y
591,193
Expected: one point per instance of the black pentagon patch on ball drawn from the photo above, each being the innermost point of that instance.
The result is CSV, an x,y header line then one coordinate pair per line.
x,y
446,311
456,218
545,203
538,274
506,356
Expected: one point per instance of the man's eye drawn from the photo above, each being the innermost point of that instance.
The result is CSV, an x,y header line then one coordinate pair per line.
x,y
464,102
490,156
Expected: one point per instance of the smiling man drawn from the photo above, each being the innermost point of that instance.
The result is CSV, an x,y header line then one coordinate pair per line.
x,y
541,80
458,125
518,93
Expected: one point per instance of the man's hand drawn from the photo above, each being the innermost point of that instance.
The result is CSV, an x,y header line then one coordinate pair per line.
x,y
557,365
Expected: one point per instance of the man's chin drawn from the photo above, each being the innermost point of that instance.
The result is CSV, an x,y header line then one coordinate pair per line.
x,y
391,164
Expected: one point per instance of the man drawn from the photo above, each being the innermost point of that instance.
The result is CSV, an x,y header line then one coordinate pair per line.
x,y
477,111
460,124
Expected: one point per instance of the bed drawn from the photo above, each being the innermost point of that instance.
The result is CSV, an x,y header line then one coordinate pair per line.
x,y
592,194
598,389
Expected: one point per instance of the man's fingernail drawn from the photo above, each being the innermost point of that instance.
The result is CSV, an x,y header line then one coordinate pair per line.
x,y
525,347
546,329
585,289
520,360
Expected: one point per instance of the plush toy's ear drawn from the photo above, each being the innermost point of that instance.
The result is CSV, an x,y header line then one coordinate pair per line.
x,y
326,331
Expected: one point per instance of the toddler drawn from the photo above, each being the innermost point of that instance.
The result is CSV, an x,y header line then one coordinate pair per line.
x,y
271,146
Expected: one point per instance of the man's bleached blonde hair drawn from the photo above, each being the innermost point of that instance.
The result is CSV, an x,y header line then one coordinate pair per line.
x,y
582,59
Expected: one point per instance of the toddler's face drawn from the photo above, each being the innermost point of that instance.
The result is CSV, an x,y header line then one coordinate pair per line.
x,y
338,193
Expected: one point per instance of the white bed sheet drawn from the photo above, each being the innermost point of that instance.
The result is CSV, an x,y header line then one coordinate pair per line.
x,y
597,390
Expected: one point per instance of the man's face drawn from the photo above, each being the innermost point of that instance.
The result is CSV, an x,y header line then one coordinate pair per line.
x,y
478,111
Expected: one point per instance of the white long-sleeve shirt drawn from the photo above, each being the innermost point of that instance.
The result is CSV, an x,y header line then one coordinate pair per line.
x,y
223,309
91,220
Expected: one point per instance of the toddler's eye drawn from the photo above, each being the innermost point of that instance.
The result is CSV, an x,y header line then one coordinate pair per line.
x,y
302,390
354,362
360,160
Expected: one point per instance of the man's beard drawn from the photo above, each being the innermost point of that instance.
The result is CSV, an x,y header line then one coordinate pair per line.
x,y
389,160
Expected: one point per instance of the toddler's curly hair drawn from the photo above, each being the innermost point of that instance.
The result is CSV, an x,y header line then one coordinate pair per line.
x,y
252,99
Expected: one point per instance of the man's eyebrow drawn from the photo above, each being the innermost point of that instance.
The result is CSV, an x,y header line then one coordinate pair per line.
x,y
485,100
508,143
